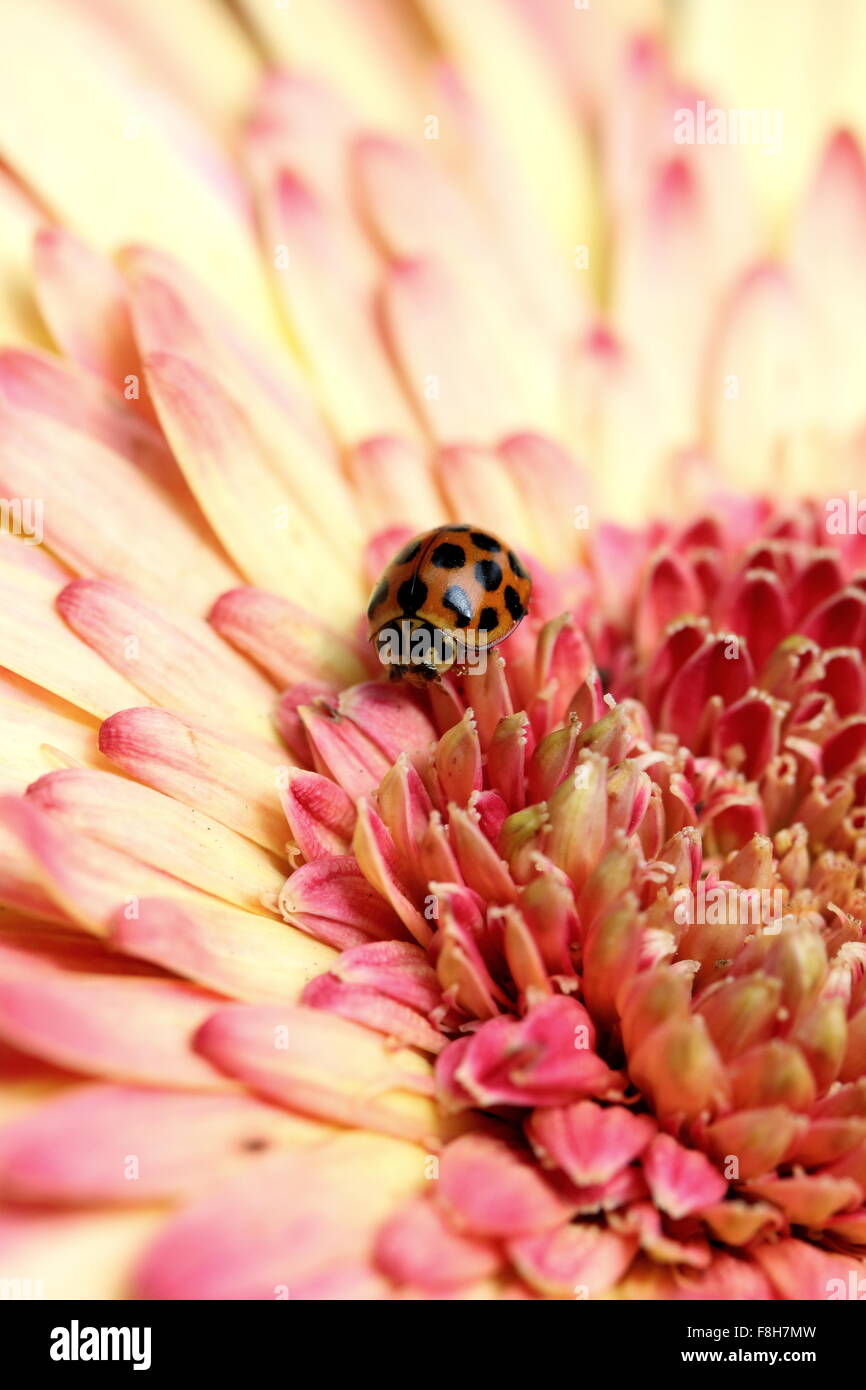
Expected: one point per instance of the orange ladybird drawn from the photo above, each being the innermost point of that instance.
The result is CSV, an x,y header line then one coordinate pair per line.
x,y
447,596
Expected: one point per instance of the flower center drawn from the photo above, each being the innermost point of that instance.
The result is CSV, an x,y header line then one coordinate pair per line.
x,y
628,924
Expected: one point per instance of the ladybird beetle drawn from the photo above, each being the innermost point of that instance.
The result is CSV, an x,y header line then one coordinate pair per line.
x,y
446,596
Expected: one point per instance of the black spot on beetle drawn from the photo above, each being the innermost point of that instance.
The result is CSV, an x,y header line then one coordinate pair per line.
x,y
378,596
512,603
485,542
488,619
516,566
462,527
448,557
412,595
457,601
488,574
409,551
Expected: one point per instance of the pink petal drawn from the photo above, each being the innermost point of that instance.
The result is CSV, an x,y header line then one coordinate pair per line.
x,y
332,900
322,1065
405,808
709,672
233,474
417,1246
643,1220
578,1260
669,591
160,831
391,716
578,811
39,646
286,1222
392,477
92,327
321,815
175,558
375,852
399,969
589,1142
344,750
233,784
176,662
425,325
77,1254
681,1180
287,641
324,295
120,1144
490,1189
799,1270
132,1029
481,867
86,879
738,1223
238,954
364,1004
545,1058
507,758
809,1200
458,761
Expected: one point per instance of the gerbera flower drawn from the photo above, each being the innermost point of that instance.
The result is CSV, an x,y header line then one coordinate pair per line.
x,y
544,982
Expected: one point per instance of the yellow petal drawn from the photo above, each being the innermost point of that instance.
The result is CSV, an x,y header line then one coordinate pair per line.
x,y
738,54
160,831
203,56
19,219
507,73
356,45
175,660
762,387
173,313
83,300
239,954
479,487
35,737
461,379
37,644
615,424
76,1254
113,157
251,509
92,494
331,310
235,784
393,480
395,181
